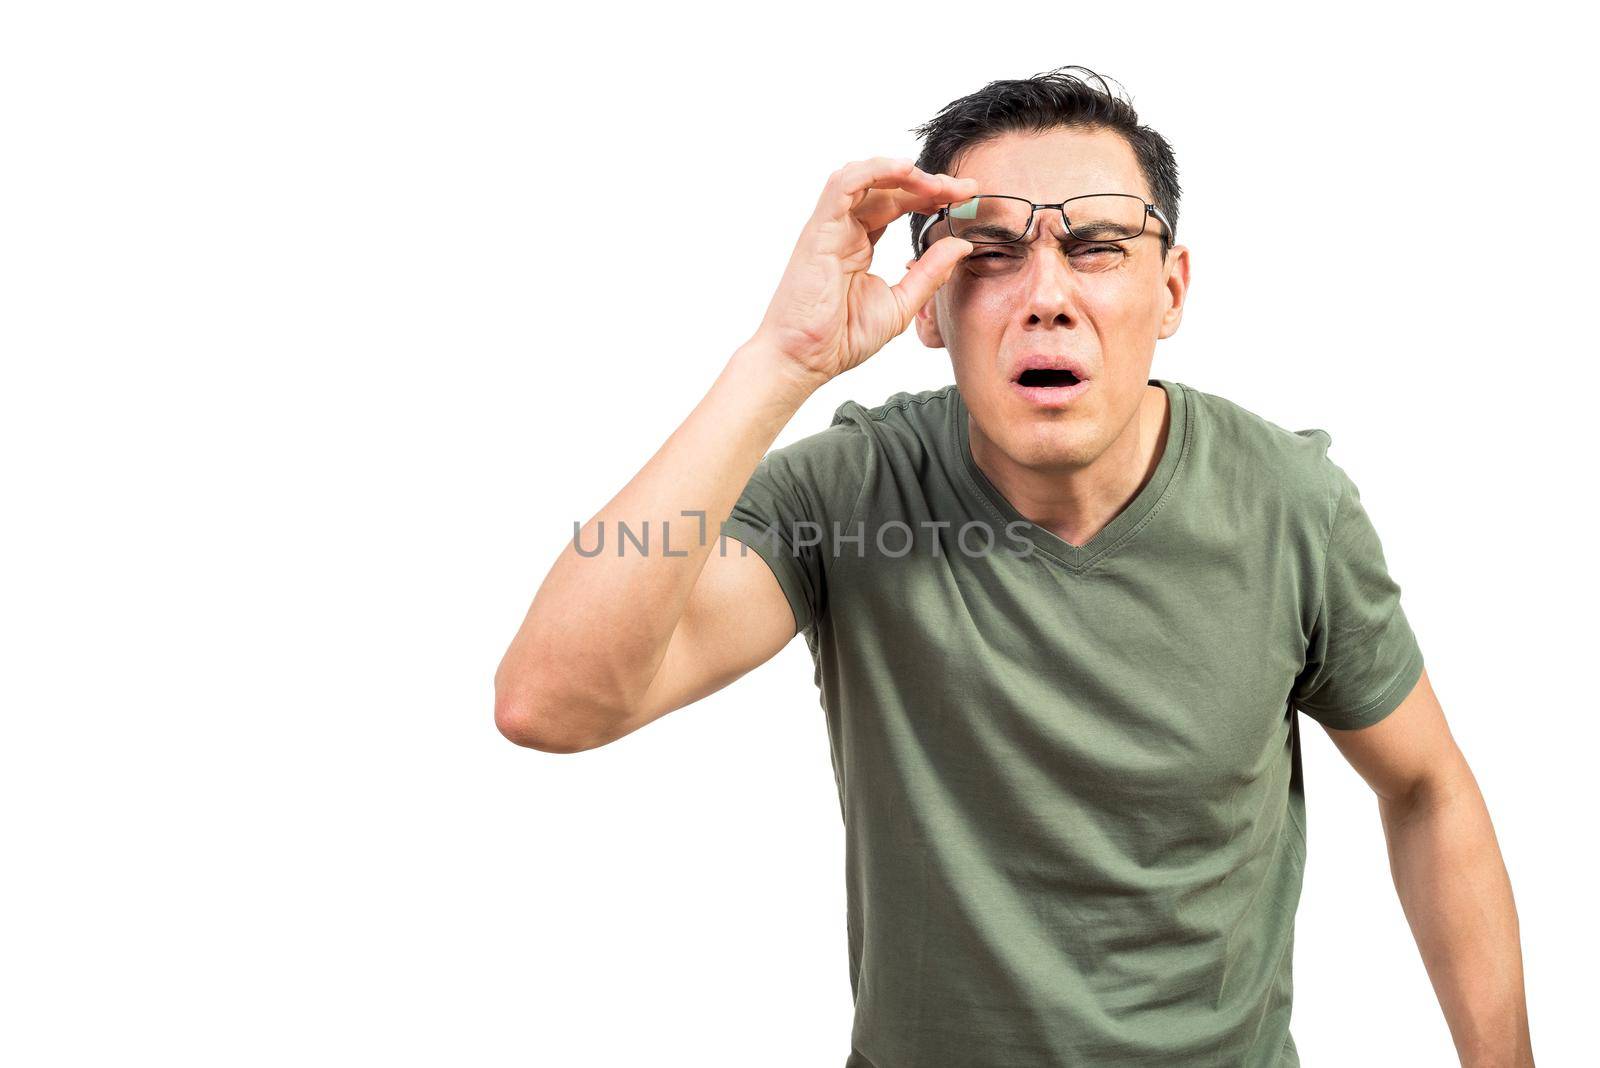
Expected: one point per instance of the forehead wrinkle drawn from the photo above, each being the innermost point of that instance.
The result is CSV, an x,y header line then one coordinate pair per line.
x,y
1049,229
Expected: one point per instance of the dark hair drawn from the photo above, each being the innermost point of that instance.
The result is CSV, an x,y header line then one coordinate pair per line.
x,y
1043,102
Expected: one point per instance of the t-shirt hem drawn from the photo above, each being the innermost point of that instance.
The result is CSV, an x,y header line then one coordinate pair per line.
x,y
1379,707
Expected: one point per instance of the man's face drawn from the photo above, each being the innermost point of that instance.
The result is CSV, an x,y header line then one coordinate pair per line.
x,y
1102,304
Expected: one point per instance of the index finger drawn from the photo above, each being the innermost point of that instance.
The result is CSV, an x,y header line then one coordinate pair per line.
x,y
891,188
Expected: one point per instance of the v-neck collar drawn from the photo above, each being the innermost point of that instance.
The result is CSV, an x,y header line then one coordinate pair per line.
x,y
1126,523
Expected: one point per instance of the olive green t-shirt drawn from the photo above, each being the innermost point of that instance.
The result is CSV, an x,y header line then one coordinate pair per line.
x,y
1070,775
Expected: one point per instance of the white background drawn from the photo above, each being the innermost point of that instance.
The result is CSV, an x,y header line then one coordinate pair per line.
x,y
309,370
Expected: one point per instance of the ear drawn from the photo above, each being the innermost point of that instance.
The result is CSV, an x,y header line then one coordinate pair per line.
x,y
926,322
1176,288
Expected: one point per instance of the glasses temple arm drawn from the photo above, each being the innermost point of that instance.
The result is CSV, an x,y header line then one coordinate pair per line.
x,y
1169,236
935,217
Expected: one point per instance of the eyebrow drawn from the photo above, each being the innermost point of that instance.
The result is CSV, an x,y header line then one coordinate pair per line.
x,y
1094,230
996,232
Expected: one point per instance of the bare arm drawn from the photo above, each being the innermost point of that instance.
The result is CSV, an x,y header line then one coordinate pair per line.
x,y
580,668
1449,875
613,641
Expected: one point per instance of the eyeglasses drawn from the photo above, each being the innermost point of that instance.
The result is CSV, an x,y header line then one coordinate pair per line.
x,y
1001,220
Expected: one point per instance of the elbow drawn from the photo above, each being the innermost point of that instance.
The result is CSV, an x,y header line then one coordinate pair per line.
x,y
533,722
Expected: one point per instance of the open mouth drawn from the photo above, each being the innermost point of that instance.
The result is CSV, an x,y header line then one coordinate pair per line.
x,y
1042,376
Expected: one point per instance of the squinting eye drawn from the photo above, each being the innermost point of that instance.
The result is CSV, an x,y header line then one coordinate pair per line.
x,y
1087,258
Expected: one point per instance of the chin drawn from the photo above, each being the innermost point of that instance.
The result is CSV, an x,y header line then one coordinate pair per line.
x,y
1051,443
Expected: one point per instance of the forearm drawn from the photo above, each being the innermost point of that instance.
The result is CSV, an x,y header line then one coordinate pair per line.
x,y
600,623
1456,895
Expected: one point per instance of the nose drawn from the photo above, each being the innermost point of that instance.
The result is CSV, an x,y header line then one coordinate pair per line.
x,y
1049,285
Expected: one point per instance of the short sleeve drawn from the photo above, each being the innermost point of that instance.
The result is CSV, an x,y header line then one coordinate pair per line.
x,y
797,506
1362,658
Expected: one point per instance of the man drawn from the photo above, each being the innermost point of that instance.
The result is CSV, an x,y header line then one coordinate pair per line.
x,y
1063,616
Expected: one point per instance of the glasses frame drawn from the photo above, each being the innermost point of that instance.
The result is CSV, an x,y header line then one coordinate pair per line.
x,y
1033,211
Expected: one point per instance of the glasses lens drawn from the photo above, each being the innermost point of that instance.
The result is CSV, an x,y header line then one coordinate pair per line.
x,y
1112,217
999,219
989,219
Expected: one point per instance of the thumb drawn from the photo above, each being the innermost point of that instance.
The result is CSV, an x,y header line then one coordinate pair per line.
x,y
924,277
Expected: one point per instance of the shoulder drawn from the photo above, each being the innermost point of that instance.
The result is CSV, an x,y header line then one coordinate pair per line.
x,y
899,412
831,467
904,429
906,424
1264,459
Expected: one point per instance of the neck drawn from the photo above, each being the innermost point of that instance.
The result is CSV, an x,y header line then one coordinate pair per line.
x,y
1076,503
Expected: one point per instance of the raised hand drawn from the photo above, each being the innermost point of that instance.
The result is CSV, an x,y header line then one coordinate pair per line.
x,y
829,314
